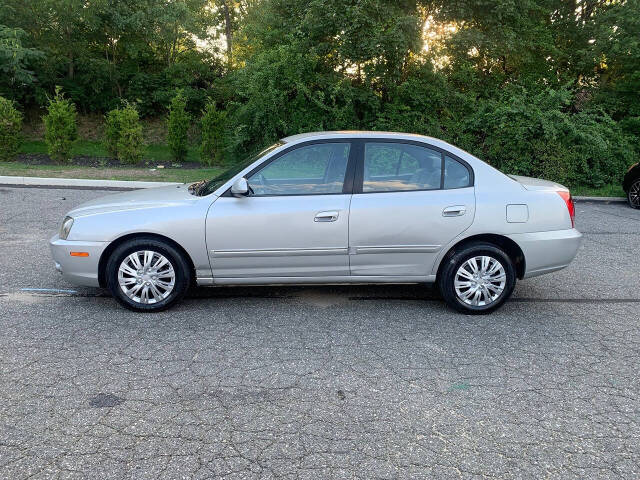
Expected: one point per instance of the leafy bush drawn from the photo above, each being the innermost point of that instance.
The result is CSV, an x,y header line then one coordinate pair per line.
x,y
535,133
213,131
283,92
10,129
123,134
178,125
61,129
426,103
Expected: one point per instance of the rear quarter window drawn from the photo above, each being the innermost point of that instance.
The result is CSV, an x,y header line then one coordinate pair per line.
x,y
456,175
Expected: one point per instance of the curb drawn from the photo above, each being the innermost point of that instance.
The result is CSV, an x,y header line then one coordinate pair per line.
x,y
78,183
601,199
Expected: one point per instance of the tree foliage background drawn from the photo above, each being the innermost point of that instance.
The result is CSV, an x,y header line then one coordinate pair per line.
x,y
540,87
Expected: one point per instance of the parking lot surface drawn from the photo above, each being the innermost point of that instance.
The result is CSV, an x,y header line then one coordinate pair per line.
x,y
345,382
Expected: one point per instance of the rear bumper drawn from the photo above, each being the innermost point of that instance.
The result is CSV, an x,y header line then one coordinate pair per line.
x,y
546,252
77,270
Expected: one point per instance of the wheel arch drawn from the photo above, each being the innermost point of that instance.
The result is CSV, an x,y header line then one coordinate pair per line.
x,y
510,247
102,264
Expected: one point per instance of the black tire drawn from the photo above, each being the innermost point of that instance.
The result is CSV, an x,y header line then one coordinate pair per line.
x,y
633,195
446,280
176,258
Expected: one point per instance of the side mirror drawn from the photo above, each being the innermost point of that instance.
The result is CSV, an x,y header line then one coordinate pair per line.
x,y
240,188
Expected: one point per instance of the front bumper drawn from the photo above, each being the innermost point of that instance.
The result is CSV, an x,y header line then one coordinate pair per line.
x,y
77,270
546,252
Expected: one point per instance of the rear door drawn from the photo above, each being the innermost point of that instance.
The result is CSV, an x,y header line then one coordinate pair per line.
x,y
410,199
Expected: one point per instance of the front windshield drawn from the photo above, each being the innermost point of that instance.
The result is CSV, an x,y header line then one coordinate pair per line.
x,y
215,183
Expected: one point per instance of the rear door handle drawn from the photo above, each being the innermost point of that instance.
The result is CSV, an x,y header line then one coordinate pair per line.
x,y
454,211
331,216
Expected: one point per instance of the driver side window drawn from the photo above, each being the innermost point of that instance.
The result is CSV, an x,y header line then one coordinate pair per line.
x,y
308,170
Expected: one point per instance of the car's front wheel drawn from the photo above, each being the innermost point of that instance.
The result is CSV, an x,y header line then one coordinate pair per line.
x,y
633,195
477,279
147,274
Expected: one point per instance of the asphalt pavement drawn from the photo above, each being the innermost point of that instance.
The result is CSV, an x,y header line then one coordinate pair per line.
x,y
362,382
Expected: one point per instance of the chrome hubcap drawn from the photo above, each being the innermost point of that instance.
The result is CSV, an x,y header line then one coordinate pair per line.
x,y
146,277
480,281
634,194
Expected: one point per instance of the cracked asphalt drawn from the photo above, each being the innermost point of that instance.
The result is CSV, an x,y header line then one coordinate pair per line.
x,y
361,382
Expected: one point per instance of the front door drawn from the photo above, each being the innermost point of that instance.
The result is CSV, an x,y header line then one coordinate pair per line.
x,y
295,223
410,201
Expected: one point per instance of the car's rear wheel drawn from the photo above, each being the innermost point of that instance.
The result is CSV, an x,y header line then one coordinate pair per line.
x,y
147,275
633,195
477,279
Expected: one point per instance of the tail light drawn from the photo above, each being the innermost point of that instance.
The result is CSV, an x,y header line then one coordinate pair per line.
x,y
566,196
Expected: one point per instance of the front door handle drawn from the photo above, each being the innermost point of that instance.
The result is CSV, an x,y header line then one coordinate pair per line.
x,y
331,216
454,211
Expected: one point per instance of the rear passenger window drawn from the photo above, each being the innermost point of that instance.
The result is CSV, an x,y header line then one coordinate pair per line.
x,y
390,167
456,175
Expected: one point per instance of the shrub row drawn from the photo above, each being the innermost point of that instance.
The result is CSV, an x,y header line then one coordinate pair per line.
x,y
123,137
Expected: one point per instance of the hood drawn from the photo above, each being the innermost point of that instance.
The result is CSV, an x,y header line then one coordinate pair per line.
x,y
531,183
137,199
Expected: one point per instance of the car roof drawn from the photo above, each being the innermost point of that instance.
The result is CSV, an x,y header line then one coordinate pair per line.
x,y
355,134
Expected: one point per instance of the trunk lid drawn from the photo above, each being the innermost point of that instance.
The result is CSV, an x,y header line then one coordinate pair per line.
x,y
531,183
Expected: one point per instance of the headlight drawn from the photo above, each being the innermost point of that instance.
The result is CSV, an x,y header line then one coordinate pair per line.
x,y
66,227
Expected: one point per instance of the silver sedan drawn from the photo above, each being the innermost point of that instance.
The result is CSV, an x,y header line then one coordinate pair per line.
x,y
331,207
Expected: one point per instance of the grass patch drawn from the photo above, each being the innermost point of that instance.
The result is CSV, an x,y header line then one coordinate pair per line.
x,y
161,153
605,191
33,146
115,173
91,148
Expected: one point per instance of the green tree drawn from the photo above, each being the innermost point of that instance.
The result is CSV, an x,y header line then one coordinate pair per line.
x,y
318,65
10,129
105,50
61,129
178,124
123,134
16,62
213,130
617,45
